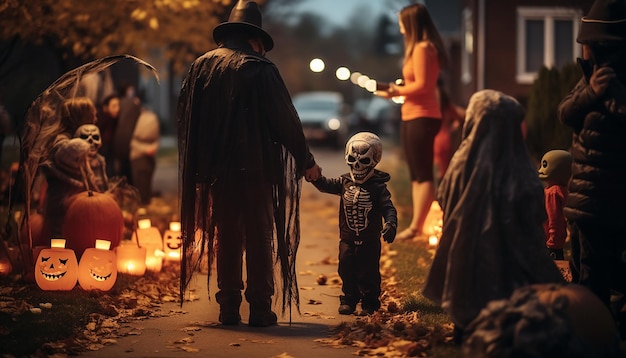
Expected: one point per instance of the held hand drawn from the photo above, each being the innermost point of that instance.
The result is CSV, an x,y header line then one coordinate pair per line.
x,y
385,90
313,173
600,79
383,94
394,90
389,232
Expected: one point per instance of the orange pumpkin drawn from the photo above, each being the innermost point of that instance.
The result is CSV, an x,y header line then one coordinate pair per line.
x,y
39,230
591,319
90,216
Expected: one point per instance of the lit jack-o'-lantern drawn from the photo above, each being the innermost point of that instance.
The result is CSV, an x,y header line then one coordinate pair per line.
x,y
56,268
173,242
131,259
97,269
149,237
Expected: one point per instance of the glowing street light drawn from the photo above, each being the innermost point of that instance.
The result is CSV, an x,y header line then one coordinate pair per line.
x,y
362,80
354,77
342,73
317,65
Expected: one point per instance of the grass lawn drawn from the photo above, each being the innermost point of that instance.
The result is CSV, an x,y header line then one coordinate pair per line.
x,y
414,259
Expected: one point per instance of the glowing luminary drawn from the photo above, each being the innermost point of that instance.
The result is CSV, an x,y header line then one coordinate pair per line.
x,y
154,259
56,268
97,269
173,242
433,240
131,259
432,224
5,266
150,237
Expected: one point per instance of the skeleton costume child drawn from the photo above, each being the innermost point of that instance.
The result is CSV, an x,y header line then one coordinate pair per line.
x,y
242,156
365,202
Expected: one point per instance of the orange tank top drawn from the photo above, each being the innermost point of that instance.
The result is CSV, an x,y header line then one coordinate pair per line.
x,y
420,83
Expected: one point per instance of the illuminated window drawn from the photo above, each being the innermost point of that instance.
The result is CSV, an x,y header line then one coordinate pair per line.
x,y
546,36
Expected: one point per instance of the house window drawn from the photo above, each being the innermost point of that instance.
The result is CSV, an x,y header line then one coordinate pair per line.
x,y
546,36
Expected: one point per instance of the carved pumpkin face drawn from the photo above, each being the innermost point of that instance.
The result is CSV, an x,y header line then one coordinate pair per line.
x,y
97,269
173,242
56,268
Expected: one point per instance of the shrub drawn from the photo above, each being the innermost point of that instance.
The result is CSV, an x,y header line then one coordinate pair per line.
x,y
544,131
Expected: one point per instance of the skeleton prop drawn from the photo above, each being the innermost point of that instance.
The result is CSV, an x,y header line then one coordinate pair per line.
x,y
43,125
95,167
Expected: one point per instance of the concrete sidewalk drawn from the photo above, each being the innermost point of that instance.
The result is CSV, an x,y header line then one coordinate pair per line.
x,y
196,330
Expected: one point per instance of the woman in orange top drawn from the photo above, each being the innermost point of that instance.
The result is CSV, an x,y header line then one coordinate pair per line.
x,y
424,56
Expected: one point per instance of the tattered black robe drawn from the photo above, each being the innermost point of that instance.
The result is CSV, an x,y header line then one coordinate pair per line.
x,y
236,119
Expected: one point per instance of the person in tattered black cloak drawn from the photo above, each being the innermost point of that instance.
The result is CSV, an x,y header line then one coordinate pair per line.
x,y
242,156
493,212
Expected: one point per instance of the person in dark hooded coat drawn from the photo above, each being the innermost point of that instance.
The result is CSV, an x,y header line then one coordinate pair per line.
x,y
596,111
493,213
242,156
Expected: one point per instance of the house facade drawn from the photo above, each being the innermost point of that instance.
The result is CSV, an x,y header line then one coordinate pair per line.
x,y
503,44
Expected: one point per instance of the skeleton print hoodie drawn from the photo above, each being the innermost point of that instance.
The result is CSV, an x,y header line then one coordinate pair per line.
x,y
362,206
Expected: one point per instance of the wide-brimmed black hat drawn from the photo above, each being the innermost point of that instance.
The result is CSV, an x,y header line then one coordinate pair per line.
x,y
606,21
245,16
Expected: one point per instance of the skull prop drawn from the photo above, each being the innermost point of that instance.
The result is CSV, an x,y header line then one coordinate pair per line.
x,y
363,152
90,133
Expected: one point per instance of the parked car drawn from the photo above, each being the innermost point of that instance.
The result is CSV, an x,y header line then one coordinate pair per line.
x,y
324,117
375,114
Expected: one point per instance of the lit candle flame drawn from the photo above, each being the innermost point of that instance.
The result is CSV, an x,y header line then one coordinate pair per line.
x,y
130,267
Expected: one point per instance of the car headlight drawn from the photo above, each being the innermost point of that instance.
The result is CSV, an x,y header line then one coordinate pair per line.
x,y
334,124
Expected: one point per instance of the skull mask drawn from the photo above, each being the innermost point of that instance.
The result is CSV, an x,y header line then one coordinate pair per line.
x,y
556,167
91,134
363,152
